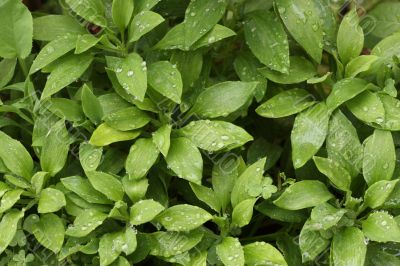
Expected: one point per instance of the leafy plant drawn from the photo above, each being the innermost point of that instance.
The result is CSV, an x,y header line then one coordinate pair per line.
x,y
202,132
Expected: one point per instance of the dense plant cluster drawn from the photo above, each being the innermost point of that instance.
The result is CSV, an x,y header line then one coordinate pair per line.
x,y
202,132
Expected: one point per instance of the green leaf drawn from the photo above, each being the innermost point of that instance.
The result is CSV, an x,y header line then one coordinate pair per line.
x,y
161,138
230,252
16,31
216,34
350,48
143,23
106,184
144,211
381,227
303,194
267,40
336,174
386,21
51,200
286,103
185,160
131,73
243,212
8,227
84,189
367,107
300,70
391,117
201,17
104,135
309,132
66,109
379,157
223,179
215,135
15,157
311,242
359,64
52,51
325,216
302,20
174,39
49,231
38,181
348,247
89,156
206,195
345,90
85,42
121,13
144,5
127,119
9,199
387,48
142,155
274,212
247,182
50,27
7,69
378,193
67,70
112,244
261,253
91,105
85,223
166,79
235,94
91,10
183,217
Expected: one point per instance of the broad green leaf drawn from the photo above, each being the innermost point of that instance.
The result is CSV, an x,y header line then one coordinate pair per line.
x,y
89,156
143,23
235,94
16,31
85,42
166,244
166,79
112,244
189,65
51,200
345,90
121,13
66,109
161,138
308,134
7,69
391,106
185,160
302,19
262,148
17,181
85,223
348,247
49,231
183,217
38,181
52,51
84,189
286,103
367,107
15,157
112,102
379,157
274,212
206,195
9,199
376,255
91,10
261,253
336,174
3,188
350,48
51,27
223,179
300,70
131,73
303,194
142,155
66,71
105,135
243,212
107,184
91,105
387,48
144,211
317,79
216,34
329,25
55,150
267,40
381,227
385,17
359,64
144,5
8,227
378,193
200,17
311,243
325,216
230,252
215,135
248,184
174,39
127,119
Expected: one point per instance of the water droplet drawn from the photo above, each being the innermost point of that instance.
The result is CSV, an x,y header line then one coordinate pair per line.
x,y
118,70
192,14
281,10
